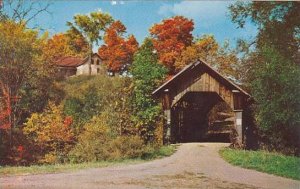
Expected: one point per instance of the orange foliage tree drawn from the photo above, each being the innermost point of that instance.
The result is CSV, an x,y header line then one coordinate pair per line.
x,y
117,51
61,45
170,38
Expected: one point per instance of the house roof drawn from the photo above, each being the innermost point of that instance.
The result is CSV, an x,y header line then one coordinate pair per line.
x,y
69,61
72,61
189,68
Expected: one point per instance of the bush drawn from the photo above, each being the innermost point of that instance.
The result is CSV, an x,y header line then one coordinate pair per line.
x,y
49,134
97,142
94,95
92,142
126,147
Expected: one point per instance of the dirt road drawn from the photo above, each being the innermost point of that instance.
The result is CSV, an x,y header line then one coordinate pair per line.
x,y
194,165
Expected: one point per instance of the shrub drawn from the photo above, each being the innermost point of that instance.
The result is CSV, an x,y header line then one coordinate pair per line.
x,y
92,142
91,96
97,142
126,147
50,134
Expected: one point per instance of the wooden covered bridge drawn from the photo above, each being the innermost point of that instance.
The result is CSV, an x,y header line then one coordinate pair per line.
x,y
191,94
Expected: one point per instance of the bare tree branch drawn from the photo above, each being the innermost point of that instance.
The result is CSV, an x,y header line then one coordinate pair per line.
x,y
23,11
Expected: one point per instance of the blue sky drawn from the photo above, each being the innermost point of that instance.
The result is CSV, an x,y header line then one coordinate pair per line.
x,y
210,17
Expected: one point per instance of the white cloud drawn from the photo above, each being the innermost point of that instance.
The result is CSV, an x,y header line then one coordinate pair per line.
x,y
112,2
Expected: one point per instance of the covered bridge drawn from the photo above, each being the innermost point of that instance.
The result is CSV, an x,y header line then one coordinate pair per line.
x,y
191,94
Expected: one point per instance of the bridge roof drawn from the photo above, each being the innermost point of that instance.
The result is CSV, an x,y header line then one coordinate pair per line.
x,y
200,65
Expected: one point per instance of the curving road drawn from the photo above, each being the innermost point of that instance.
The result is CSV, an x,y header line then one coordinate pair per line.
x,y
194,165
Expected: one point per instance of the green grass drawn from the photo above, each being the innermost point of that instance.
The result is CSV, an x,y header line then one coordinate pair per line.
x,y
39,169
273,163
56,168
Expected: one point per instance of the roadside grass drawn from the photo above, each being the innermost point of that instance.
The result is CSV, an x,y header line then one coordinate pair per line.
x,y
268,162
163,151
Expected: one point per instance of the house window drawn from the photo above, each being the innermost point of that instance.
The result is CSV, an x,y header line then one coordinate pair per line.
x,y
98,62
98,70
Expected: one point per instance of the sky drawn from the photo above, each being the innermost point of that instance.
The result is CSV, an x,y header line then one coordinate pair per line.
x,y
210,17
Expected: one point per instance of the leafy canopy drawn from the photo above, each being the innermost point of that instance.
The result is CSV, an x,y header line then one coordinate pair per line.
x,y
206,48
278,23
170,38
117,51
90,26
276,89
61,45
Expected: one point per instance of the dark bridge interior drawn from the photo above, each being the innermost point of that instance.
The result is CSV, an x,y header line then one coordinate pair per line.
x,y
191,122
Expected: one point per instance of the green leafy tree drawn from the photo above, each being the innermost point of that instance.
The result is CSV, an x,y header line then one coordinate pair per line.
x,y
276,89
271,69
278,23
147,75
90,27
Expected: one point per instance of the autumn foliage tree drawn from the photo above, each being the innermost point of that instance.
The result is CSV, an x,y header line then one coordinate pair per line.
x,y
25,80
50,134
61,45
18,47
220,57
170,38
117,51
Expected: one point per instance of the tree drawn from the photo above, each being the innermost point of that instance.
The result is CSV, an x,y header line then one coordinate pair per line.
x,y
117,52
90,27
276,90
170,38
61,45
22,11
206,48
272,70
77,43
25,80
278,23
18,51
147,75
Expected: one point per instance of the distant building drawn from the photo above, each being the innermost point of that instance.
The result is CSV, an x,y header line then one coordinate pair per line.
x,y
69,66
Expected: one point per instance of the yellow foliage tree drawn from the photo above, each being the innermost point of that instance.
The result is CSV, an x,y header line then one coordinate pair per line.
x,y
206,48
50,133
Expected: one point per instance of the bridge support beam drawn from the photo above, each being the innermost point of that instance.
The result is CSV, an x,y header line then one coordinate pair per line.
x,y
167,115
238,115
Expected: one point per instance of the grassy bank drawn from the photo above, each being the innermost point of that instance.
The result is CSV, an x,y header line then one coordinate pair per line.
x,y
164,151
273,163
